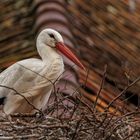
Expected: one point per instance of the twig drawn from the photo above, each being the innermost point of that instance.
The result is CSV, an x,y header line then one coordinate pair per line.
x,y
19,137
23,97
86,77
42,126
111,118
76,129
107,137
125,115
37,74
101,87
23,115
102,122
86,105
74,109
132,133
126,88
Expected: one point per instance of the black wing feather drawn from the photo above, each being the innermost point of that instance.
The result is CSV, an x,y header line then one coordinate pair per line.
x,y
2,100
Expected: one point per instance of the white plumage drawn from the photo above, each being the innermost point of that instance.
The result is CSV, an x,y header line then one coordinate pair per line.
x,y
33,77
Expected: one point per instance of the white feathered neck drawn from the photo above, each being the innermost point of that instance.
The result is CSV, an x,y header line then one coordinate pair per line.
x,y
47,52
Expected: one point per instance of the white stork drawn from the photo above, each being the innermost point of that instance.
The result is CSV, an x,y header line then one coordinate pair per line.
x,y
33,78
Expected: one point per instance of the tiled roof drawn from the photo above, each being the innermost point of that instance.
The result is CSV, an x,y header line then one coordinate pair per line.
x,y
16,36
100,32
107,33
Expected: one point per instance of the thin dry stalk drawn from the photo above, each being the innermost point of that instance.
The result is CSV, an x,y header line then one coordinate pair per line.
x,y
90,109
123,116
76,129
23,98
101,87
132,133
126,88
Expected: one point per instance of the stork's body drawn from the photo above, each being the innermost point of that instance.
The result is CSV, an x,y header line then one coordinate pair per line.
x,y
34,78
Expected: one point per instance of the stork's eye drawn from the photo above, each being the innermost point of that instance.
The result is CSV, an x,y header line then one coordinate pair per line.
x,y
52,36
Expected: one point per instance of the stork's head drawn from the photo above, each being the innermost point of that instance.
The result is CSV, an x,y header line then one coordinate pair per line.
x,y
50,37
54,40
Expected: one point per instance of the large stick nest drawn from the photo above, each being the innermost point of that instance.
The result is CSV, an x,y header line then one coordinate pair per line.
x,y
71,119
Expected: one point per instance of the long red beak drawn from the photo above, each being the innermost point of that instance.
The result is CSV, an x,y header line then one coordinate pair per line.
x,y
68,53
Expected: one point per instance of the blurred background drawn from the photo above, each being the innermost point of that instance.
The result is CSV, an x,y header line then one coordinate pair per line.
x,y
101,32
